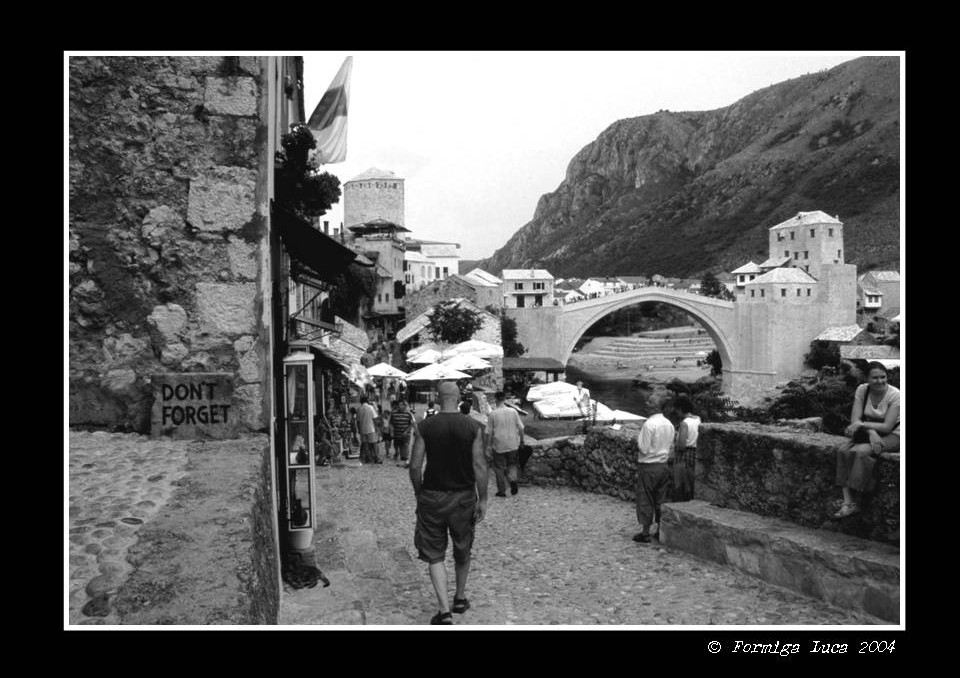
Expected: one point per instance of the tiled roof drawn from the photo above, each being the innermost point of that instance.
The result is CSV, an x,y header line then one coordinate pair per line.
x,y
526,274
748,267
774,262
871,290
783,275
885,276
844,333
417,325
871,352
417,256
487,278
374,173
806,219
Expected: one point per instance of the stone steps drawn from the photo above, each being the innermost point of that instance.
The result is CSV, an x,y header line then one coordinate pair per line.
x,y
839,569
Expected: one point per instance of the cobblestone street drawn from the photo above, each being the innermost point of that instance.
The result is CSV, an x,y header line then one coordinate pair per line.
x,y
545,556
118,482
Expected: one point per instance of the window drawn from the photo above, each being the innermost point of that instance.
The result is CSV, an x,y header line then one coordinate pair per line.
x,y
779,237
830,232
521,301
808,291
753,293
786,253
386,297
379,299
793,235
806,254
813,232
518,286
796,255
839,254
538,286
446,271
436,272
762,292
783,291
798,291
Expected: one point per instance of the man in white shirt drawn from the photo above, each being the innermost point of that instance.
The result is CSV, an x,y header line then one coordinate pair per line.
x,y
582,398
653,475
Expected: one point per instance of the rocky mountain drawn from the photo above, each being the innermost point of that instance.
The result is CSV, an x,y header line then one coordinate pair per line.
x,y
681,194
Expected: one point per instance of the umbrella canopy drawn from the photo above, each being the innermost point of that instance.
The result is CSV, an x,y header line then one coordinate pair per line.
x,y
428,356
385,370
466,361
551,390
481,349
436,373
417,350
701,354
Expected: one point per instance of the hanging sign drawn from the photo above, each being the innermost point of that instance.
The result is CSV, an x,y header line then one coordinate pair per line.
x,y
193,405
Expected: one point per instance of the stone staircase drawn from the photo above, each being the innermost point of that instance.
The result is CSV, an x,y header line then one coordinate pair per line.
x,y
839,569
655,349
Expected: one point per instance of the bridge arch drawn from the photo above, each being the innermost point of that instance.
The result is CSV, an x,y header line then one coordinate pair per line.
x,y
715,315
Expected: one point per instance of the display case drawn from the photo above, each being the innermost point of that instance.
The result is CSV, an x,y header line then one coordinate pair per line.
x,y
299,446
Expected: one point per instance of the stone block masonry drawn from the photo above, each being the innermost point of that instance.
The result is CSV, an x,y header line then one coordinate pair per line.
x,y
790,474
165,236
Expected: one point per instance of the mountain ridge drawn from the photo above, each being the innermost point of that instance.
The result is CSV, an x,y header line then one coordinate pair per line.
x,y
684,193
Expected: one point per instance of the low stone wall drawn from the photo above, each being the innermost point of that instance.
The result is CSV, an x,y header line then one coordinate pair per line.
x,y
766,470
790,474
604,461
209,556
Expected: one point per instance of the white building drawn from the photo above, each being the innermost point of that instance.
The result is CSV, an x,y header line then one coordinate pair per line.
x,y
527,287
418,270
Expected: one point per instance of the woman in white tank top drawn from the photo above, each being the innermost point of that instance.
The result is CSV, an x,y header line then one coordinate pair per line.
x,y
874,428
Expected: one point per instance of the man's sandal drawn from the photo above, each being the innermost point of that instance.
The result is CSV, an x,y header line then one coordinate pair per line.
x,y
442,618
461,605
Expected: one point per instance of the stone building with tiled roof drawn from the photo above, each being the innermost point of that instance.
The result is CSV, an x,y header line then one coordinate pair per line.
x,y
527,287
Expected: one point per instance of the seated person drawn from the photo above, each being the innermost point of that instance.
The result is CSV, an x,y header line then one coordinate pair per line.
x,y
874,428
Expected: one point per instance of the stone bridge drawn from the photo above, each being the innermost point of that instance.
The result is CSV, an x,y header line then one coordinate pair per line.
x,y
760,344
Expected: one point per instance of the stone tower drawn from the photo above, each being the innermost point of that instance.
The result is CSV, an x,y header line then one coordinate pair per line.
x,y
375,194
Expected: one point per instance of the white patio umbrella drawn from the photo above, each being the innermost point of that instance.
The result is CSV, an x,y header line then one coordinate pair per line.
x,y
436,373
428,356
466,361
701,354
417,350
481,349
385,370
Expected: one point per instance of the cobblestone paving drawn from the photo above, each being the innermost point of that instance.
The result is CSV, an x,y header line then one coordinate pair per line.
x,y
117,483
546,556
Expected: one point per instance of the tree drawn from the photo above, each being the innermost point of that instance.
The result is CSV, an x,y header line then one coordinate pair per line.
x,y
715,363
711,287
822,354
300,186
351,290
508,338
452,322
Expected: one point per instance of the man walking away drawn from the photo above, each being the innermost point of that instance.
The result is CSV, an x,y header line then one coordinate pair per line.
x,y
402,425
367,427
506,436
653,474
451,495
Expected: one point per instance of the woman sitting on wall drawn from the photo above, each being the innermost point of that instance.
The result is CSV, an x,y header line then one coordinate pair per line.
x,y
874,428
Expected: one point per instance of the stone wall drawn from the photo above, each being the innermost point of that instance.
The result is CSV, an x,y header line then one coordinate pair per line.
x,y
765,470
209,556
790,474
164,232
604,461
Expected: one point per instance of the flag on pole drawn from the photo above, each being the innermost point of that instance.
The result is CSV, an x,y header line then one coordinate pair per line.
x,y
329,119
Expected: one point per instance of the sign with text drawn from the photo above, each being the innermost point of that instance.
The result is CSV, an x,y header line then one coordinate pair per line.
x,y
193,405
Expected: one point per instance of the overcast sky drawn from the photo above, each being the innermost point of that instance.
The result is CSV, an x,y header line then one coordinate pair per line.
x,y
480,136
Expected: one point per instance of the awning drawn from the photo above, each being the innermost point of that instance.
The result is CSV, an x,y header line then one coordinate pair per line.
x,y
321,255
352,369
533,364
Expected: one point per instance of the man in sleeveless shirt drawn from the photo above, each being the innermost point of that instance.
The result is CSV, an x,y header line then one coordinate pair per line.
x,y
451,495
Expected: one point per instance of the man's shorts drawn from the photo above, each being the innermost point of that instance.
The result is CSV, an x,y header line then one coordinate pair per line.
x,y
400,443
369,437
505,459
440,511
